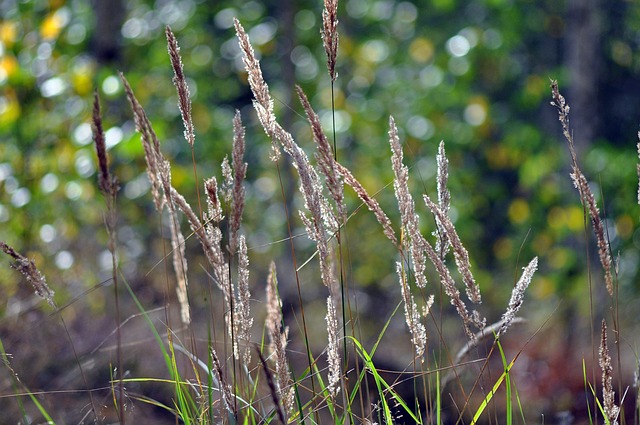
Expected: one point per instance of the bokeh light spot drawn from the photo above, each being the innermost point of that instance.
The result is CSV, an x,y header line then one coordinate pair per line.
x,y
48,233
49,183
458,46
64,260
111,85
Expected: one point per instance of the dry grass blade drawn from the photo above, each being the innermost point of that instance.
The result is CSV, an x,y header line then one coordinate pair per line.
x,y
28,269
184,101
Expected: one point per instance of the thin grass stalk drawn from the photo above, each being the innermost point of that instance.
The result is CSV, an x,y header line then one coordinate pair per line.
x,y
310,360
326,159
109,187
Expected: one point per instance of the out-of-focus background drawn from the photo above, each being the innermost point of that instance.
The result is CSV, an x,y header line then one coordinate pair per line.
x,y
475,74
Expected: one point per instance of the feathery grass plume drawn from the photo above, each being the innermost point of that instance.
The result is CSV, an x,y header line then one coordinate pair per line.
x,y
411,314
444,199
418,245
329,34
278,334
214,238
184,101
459,251
580,182
108,185
608,394
28,269
324,156
370,202
242,310
239,174
258,86
226,188
333,349
150,144
408,215
517,295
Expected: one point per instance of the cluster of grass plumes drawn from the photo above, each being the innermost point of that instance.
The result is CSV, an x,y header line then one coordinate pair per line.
x,y
225,385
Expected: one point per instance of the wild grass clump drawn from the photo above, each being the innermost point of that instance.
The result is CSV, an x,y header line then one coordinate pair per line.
x,y
245,376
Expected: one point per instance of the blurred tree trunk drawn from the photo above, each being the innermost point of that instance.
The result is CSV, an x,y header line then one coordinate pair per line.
x,y
583,60
106,41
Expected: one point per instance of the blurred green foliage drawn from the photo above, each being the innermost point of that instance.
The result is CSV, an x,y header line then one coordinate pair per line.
x,y
475,74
